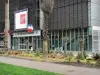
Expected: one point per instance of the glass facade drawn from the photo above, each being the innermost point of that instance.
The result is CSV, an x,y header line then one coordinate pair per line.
x,y
69,39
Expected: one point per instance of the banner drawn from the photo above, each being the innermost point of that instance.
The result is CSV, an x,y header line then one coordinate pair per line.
x,y
21,19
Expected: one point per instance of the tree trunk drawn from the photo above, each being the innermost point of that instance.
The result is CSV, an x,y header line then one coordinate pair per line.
x,y
45,49
45,37
47,7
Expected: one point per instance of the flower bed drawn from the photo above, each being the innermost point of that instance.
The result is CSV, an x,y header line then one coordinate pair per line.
x,y
58,58
15,53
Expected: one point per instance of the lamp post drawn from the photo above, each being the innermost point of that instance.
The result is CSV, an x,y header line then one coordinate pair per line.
x,y
6,24
46,7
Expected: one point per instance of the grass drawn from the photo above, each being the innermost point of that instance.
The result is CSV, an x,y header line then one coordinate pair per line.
x,y
7,69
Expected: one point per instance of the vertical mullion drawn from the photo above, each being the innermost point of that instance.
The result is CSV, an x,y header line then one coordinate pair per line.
x,y
70,40
28,43
74,39
37,43
65,13
32,42
19,43
51,40
36,14
83,38
13,43
54,39
73,13
77,13
66,38
69,13
82,13
79,39
62,39
40,41
58,38
87,39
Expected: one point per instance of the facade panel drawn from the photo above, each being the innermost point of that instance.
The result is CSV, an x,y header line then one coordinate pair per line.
x,y
71,14
95,17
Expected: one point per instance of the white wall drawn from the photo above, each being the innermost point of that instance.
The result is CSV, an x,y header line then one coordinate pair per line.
x,y
95,12
95,23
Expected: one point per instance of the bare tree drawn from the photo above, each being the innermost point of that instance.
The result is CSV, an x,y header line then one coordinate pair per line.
x,y
46,7
81,43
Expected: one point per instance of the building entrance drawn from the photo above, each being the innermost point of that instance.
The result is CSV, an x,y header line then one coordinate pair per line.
x,y
25,43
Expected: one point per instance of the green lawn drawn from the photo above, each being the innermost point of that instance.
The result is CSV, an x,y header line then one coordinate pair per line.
x,y
6,69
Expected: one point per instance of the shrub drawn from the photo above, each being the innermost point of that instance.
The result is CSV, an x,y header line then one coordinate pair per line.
x,y
88,62
79,56
38,53
1,52
98,62
89,57
51,51
69,56
82,56
96,56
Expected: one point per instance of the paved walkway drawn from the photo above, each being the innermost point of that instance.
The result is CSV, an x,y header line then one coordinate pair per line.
x,y
63,69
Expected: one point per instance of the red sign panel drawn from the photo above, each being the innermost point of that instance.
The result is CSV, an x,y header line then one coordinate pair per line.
x,y
22,18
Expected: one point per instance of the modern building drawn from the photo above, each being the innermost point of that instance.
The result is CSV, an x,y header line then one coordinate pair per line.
x,y
70,22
